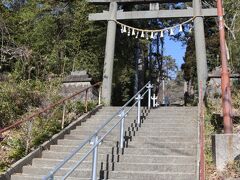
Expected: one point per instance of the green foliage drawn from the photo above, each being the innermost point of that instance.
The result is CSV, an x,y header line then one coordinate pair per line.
x,y
122,86
17,98
44,129
209,131
232,19
3,166
43,37
17,146
79,107
92,105
236,96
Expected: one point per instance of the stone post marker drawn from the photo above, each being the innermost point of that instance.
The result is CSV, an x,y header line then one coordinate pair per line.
x,y
226,149
76,81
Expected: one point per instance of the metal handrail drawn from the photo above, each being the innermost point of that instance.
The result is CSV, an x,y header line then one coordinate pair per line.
x,y
97,141
41,111
201,157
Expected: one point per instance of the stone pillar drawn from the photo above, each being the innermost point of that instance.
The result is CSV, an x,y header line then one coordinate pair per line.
x,y
109,55
226,149
202,69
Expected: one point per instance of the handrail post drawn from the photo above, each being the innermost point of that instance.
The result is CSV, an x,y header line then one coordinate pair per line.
x,y
201,136
86,101
95,158
29,134
154,98
149,86
139,108
63,115
99,95
122,116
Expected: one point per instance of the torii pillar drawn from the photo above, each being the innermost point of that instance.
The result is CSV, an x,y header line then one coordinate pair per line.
x,y
109,55
200,45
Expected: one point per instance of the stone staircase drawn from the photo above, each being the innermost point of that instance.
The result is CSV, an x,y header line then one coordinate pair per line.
x,y
163,148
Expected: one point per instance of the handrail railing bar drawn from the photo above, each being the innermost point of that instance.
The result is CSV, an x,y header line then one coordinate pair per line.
x,y
99,141
130,109
83,144
135,96
39,112
97,131
73,153
91,150
117,113
78,163
144,93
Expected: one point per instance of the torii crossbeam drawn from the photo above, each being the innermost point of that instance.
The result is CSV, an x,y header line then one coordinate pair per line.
x,y
113,14
151,14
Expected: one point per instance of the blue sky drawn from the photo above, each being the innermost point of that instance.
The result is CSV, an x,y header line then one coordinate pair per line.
x,y
174,49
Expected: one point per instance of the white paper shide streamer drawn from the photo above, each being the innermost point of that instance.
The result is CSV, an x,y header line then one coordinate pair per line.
x,y
152,34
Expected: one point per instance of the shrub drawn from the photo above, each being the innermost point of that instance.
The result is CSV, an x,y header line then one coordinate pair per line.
x,y
44,129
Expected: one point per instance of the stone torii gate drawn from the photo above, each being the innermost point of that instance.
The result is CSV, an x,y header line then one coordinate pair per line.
x,y
115,14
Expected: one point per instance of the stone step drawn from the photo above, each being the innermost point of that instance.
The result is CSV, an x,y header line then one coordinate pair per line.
x,y
62,155
154,175
35,177
168,129
173,115
130,158
173,112
152,112
102,120
141,137
161,145
135,142
85,149
95,125
172,119
109,115
143,128
68,142
158,171
175,108
116,111
179,116
148,119
176,168
139,133
40,162
45,170
163,159
162,151
123,166
146,124
135,151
